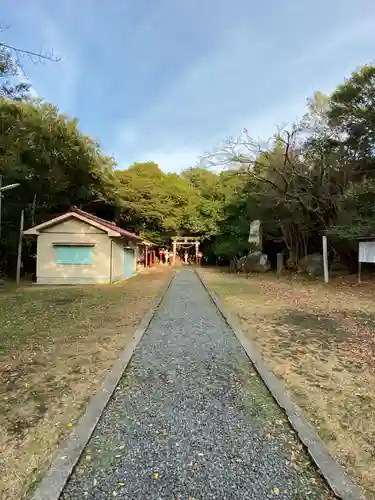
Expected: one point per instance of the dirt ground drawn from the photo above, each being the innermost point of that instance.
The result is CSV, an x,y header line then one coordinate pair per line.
x,y
320,339
56,346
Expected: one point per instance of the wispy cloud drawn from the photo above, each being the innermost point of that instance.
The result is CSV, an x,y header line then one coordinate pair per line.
x,y
244,80
37,31
170,79
173,158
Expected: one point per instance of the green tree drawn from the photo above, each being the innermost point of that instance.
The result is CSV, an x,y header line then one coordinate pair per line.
x,y
352,113
54,163
10,86
292,185
157,204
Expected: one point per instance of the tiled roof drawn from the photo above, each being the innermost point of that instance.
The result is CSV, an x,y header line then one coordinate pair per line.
x,y
109,225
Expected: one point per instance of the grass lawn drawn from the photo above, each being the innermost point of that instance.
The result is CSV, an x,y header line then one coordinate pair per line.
x,y
56,346
320,339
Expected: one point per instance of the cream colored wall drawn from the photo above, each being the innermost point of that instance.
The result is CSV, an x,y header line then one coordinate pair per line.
x,y
135,248
72,231
138,252
70,226
117,260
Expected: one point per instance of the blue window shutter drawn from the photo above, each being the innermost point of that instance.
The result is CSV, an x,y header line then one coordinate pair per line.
x,y
70,254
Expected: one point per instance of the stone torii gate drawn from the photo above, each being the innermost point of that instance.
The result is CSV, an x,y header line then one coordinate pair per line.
x,y
186,242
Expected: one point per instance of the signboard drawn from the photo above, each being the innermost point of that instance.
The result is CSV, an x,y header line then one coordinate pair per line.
x,y
366,252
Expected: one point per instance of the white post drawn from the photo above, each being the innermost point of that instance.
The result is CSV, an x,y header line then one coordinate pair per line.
x,y
325,258
19,256
174,251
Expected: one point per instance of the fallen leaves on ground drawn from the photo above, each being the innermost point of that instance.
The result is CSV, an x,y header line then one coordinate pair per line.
x,y
320,339
56,347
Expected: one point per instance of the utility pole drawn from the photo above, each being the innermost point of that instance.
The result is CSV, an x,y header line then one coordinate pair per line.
x,y
19,256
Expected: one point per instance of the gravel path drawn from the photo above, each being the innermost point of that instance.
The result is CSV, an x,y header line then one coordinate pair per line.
x,y
190,419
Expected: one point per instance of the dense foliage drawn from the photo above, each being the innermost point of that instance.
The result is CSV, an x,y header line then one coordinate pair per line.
x,y
55,165
10,85
316,176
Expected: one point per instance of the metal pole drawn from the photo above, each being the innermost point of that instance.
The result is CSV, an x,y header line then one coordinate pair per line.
x,y
359,271
19,250
325,258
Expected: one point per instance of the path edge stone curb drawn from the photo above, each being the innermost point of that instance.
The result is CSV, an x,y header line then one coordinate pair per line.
x,y
334,474
71,449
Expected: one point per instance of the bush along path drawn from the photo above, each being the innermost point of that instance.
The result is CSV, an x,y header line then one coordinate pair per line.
x,y
190,418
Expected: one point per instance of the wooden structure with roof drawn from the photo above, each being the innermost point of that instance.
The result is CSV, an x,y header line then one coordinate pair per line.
x,y
79,248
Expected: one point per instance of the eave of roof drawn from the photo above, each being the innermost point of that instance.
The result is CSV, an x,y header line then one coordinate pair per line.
x,y
110,227
107,224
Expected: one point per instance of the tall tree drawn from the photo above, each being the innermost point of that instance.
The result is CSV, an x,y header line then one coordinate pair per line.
x,y
352,112
157,204
55,165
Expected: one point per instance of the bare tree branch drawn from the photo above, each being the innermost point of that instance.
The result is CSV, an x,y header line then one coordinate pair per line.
x,y
35,57
40,56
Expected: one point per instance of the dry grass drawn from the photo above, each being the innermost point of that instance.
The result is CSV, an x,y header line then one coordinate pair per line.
x,y
320,339
56,347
